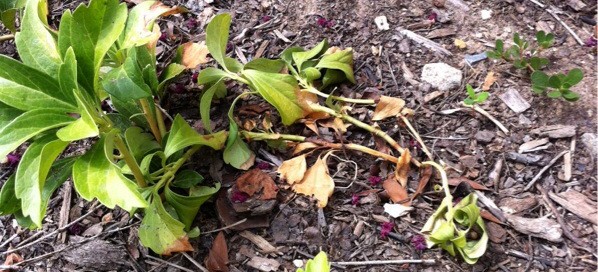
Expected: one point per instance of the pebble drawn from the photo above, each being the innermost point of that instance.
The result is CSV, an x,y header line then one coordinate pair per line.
x,y
486,14
484,136
589,141
441,76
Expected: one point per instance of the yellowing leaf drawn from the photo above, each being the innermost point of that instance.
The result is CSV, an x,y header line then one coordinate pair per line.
x,y
488,81
304,146
293,170
388,107
402,171
317,182
460,44
194,54
161,232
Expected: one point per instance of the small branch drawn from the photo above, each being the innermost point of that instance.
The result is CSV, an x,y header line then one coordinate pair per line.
x,y
383,262
485,113
7,37
558,216
226,227
172,171
151,119
193,261
130,161
340,98
539,175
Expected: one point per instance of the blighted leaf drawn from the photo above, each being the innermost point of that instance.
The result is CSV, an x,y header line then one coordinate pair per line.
x,y
293,170
388,107
488,81
217,259
140,23
255,181
402,170
161,232
36,44
396,192
317,182
193,54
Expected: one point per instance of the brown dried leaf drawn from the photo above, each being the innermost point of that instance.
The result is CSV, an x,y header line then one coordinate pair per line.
x,y
473,184
425,175
388,107
403,165
490,79
395,191
11,259
256,180
304,146
194,54
180,245
217,259
488,216
317,182
293,170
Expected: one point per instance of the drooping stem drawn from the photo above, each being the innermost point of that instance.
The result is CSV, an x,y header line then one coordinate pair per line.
x,y
417,137
340,98
130,161
175,167
295,138
445,186
151,119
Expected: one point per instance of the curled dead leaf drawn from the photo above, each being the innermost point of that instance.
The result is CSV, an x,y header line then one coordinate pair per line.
x,y
256,180
217,259
396,192
424,177
403,166
489,80
317,182
11,259
388,107
304,146
194,54
293,170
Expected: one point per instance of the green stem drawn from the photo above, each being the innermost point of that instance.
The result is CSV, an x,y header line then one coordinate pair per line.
x,y
130,160
445,186
151,119
340,98
7,37
160,120
172,171
262,136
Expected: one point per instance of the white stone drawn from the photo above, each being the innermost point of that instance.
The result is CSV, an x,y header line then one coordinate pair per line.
x,y
441,76
381,23
590,141
298,263
486,14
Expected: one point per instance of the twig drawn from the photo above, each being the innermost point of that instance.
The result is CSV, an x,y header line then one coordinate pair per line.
x,y
558,216
10,267
7,37
424,41
539,175
485,113
525,256
193,261
394,79
417,137
65,209
382,262
93,209
10,239
169,263
226,227
558,19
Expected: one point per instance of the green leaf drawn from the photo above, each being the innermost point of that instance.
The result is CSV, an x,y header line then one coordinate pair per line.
x,y
554,82
7,114
182,135
300,57
539,79
28,125
25,88
470,91
574,76
469,101
210,76
205,104
160,231
96,176
233,65
280,91
236,153
140,143
311,74
538,63
540,36
126,82
265,65
520,63
186,179
217,37
91,30
32,173
170,72
340,60
130,110
318,264
482,97
554,94
82,128
187,207
499,46
67,76
9,203
35,43
570,96
8,18
332,77
493,55
140,23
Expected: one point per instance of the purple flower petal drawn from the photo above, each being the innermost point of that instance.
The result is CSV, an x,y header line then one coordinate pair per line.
x,y
266,18
194,77
13,159
386,229
591,42
374,180
239,197
263,165
355,199
419,242
322,22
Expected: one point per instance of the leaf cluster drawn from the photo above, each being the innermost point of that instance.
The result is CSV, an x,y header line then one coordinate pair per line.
x,y
53,98
474,98
524,56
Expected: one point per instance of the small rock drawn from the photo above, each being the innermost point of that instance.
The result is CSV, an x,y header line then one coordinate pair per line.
x,y
516,205
442,76
525,159
484,136
514,101
486,14
298,263
509,182
381,23
555,131
589,141
471,59
520,9
438,3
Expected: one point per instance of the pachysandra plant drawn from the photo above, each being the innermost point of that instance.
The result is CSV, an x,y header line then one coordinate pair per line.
x,y
53,98
527,57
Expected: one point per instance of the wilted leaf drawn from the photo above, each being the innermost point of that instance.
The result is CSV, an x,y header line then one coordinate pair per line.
x,y
293,170
11,259
490,79
161,232
256,180
217,259
193,54
303,146
425,175
402,170
317,182
396,192
139,27
388,107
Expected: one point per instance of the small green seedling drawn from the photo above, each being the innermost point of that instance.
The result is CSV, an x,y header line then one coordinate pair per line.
x,y
525,57
474,98
317,264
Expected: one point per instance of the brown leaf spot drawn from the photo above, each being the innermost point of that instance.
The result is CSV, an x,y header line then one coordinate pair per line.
x,y
180,245
194,54
217,259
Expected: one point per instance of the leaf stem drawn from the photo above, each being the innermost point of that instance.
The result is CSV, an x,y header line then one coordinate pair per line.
x,y
340,98
7,37
151,119
160,120
130,161
172,171
445,185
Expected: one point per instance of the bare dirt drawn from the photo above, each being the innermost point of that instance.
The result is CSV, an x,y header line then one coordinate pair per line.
x,y
383,62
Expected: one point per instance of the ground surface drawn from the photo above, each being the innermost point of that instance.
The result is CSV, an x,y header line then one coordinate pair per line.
x,y
383,62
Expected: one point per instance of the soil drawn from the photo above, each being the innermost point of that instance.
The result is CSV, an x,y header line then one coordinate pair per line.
x,y
383,61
